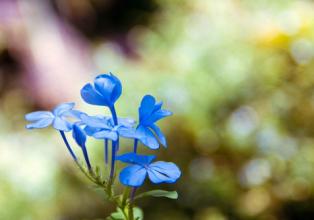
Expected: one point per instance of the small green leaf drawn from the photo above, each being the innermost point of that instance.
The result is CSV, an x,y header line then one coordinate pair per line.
x,y
118,215
97,171
138,213
159,193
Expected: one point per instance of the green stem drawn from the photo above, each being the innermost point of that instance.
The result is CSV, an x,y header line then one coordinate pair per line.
x,y
126,204
130,211
125,196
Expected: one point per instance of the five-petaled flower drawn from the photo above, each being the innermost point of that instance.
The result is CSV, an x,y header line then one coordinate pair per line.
x,y
102,127
149,113
158,172
57,118
106,90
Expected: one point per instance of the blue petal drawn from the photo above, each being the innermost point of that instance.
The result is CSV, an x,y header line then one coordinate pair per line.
x,y
34,116
147,137
126,122
95,121
157,116
116,93
79,135
104,84
42,123
91,96
133,175
62,108
147,107
73,113
106,134
90,131
159,134
122,122
163,172
136,158
128,132
109,86
157,106
61,124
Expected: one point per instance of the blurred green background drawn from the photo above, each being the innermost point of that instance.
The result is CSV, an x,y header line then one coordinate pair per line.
x,y
238,75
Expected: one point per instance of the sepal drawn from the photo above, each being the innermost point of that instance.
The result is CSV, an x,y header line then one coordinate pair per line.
x,y
159,193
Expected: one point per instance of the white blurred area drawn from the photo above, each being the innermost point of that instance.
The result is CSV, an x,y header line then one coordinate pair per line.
x,y
55,57
55,64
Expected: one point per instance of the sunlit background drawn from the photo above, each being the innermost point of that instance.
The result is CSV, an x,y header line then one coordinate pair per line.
x,y
238,75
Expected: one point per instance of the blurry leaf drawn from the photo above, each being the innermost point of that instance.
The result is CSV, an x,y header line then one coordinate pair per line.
x,y
159,193
97,171
138,213
118,215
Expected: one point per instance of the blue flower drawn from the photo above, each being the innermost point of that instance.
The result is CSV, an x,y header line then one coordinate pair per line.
x,y
158,172
101,127
149,113
80,138
56,118
79,135
106,90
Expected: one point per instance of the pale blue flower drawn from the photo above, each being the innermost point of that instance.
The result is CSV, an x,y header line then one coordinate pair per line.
x,y
58,118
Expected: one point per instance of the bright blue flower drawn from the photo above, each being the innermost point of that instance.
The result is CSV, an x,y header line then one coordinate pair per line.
x,y
80,138
105,91
79,135
101,127
57,118
149,113
158,172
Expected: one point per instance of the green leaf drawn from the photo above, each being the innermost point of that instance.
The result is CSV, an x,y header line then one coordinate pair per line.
x,y
159,193
97,171
138,213
118,215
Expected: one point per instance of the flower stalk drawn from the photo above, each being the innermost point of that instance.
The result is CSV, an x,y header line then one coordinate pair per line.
x,y
135,145
68,145
113,159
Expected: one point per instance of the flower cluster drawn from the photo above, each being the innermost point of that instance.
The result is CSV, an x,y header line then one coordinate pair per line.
x,y
105,91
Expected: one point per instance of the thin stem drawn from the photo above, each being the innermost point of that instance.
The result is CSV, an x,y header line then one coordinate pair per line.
x,y
130,207
125,196
100,183
133,194
85,173
68,145
117,144
131,214
113,159
135,145
114,114
114,143
106,151
86,157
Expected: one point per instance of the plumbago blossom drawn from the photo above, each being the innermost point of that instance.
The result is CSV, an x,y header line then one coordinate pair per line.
x,y
105,91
